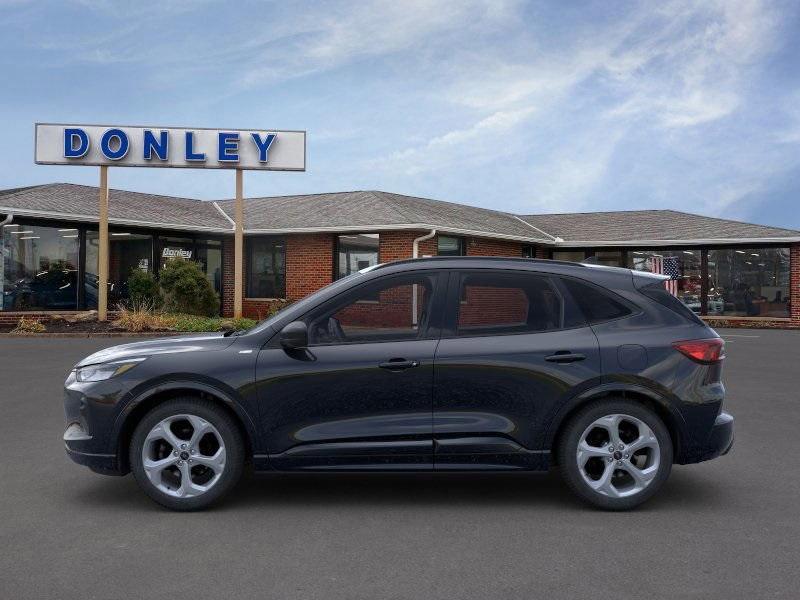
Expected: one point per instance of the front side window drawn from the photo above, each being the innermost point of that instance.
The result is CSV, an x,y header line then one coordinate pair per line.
x,y
506,303
266,267
748,282
39,267
388,310
356,252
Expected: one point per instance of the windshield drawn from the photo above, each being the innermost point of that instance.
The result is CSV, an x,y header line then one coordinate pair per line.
x,y
307,301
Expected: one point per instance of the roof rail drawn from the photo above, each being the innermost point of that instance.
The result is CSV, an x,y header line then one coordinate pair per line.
x,y
546,261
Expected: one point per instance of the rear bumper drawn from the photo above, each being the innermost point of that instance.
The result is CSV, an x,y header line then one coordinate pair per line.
x,y
720,441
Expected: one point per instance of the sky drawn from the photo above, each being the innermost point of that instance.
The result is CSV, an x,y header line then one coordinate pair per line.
x,y
529,107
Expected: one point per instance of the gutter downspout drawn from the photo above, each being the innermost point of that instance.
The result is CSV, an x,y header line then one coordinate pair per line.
x,y
415,254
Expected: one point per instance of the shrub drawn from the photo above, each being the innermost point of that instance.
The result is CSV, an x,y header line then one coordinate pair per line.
x,y
143,289
141,317
26,325
186,290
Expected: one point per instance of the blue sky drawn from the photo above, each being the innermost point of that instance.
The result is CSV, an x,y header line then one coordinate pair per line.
x,y
521,106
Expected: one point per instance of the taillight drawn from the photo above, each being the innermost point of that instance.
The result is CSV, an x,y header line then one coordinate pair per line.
x,y
702,351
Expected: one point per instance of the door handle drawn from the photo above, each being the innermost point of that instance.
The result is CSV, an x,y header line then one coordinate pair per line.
x,y
399,364
564,356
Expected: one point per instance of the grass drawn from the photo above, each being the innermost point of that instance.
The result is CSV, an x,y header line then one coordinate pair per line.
x,y
26,325
143,318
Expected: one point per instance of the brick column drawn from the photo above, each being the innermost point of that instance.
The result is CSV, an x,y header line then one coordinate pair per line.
x,y
542,252
227,277
309,263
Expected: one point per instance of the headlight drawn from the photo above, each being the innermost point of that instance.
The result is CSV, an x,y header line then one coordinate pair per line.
x,y
106,370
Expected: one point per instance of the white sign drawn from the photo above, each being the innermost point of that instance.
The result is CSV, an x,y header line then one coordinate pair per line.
x,y
123,146
176,253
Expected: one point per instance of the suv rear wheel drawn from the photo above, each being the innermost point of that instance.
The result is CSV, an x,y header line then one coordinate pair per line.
x,y
615,453
187,453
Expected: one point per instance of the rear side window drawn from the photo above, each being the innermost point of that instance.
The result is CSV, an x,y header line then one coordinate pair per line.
x,y
657,291
595,304
507,303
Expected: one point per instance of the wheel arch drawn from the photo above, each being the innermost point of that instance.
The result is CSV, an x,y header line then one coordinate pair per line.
x,y
146,400
671,418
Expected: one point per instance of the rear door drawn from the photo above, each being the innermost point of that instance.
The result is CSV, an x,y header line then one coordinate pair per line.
x,y
513,348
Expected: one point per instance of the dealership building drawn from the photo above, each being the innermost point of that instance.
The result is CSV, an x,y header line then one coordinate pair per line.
x,y
729,272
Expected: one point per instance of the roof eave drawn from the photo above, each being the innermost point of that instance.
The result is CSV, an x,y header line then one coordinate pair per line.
x,y
112,220
681,242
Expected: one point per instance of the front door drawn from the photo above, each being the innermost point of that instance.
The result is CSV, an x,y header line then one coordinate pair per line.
x,y
512,351
360,396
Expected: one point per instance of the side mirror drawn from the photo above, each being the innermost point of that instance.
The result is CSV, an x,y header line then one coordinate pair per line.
x,y
294,336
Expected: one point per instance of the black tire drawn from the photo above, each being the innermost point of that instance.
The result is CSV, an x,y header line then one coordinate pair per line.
x,y
228,430
568,446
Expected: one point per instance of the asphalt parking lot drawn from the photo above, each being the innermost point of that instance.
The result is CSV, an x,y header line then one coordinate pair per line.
x,y
725,529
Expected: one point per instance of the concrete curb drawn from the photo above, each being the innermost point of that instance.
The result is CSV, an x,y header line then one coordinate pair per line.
x,y
115,334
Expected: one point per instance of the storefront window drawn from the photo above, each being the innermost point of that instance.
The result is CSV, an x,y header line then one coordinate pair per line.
x,y
684,266
569,255
209,255
266,267
610,258
356,252
450,246
128,251
40,268
748,282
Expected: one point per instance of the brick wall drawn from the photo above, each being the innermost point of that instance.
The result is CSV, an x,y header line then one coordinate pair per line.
x,y
228,266
309,267
490,247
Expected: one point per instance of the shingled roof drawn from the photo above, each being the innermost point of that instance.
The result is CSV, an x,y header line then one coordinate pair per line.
x,y
79,202
374,210
635,227
364,211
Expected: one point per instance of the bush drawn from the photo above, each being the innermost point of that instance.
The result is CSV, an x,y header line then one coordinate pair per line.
x,y
143,289
186,290
140,317
26,325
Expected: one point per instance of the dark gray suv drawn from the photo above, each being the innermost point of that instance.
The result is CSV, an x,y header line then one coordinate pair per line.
x,y
433,364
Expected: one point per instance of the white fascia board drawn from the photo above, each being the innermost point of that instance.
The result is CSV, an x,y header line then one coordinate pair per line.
x,y
113,221
687,242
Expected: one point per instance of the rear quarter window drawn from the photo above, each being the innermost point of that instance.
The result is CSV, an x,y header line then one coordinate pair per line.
x,y
596,304
658,292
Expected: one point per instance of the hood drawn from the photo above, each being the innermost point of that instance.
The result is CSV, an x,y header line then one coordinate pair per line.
x,y
169,345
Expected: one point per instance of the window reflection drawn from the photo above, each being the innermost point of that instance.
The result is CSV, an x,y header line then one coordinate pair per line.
x,y
40,268
356,252
684,266
749,282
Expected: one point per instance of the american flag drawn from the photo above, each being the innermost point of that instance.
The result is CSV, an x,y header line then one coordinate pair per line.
x,y
667,265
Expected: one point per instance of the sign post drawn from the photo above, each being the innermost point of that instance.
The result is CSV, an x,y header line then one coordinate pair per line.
x,y
175,147
103,253
238,244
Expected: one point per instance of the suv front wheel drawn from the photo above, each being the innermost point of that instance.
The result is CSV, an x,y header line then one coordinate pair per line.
x,y
615,454
187,453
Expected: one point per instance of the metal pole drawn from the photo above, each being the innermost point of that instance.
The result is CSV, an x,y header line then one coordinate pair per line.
x,y
238,255
102,257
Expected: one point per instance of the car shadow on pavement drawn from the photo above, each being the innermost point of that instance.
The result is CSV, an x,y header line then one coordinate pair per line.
x,y
536,490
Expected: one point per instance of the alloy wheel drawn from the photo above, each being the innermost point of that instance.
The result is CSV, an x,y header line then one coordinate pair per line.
x,y
184,456
618,455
